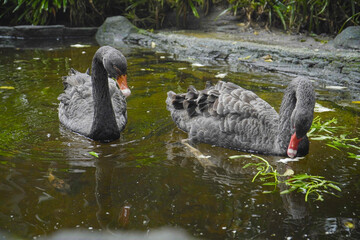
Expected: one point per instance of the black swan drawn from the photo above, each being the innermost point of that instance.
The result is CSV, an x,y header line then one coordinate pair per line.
x,y
94,106
229,116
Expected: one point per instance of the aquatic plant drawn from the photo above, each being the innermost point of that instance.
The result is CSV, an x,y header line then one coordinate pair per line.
x,y
310,185
326,131
304,183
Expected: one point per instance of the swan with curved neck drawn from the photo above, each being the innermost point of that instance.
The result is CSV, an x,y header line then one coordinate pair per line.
x,y
95,106
229,116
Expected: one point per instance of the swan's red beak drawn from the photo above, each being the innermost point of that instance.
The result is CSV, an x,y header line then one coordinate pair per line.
x,y
122,82
293,146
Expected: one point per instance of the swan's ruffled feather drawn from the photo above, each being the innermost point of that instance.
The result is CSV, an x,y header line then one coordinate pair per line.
x,y
76,108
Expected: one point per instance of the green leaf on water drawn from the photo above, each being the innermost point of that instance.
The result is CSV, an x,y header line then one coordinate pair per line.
x,y
7,87
94,154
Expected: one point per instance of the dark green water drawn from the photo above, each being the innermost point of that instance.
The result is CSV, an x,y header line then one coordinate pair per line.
x,y
148,170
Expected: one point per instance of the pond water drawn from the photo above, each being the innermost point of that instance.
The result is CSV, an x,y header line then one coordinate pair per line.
x,y
148,179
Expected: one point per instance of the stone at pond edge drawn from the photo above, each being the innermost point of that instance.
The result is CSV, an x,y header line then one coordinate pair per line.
x,y
115,29
46,32
349,38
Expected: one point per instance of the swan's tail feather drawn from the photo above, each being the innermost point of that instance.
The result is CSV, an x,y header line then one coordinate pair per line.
x,y
190,106
72,71
193,103
178,101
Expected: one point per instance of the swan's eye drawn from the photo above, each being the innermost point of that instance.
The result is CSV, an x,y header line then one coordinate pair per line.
x,y
117,70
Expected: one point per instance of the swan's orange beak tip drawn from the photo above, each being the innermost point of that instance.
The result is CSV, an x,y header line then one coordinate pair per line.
x,y
293,146
122,82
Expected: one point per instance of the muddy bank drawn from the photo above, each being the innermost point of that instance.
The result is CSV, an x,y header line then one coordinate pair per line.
x,y
260,51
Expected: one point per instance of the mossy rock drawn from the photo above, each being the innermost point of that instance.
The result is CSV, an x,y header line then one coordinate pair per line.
x,y
115,29
349,38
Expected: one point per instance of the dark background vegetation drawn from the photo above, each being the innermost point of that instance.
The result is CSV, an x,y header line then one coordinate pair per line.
x,y
317,16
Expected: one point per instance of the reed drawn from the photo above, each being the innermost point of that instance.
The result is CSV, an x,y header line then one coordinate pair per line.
x,y
315,16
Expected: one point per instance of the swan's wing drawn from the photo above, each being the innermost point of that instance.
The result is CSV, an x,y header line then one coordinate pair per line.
x,y
119,104
219,101
234,101
76,103
225,115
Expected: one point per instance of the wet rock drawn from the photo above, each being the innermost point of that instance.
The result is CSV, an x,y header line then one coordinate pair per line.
x,y
291,57
46,32
115,29
29,31
6,31
349,38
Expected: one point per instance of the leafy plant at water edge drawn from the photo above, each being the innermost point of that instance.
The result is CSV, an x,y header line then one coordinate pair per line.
x,y
312,15
35,11
352,155
308,184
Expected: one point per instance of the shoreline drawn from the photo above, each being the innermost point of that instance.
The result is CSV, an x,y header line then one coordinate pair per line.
x,y
254,49
321,62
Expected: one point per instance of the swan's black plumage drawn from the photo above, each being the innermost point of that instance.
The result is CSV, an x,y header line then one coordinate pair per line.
x,y
94,106
229,116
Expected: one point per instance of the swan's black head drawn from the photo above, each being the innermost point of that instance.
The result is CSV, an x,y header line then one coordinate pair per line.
x,y
115,63
116,66
302,121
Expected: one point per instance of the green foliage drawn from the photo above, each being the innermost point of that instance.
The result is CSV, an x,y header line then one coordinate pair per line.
x,y
265,170
310,185
320,131
318,16
94,154
35,11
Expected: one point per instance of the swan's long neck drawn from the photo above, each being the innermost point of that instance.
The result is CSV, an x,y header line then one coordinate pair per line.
x,y
299,99
104,126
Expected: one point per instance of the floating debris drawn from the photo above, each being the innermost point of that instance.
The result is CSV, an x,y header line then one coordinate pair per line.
x,y
319,108
286,160
7,87
220,75
94,154
288,172
335,87
267,58
124,216
203,160
58,183
79,45
245,58
197,65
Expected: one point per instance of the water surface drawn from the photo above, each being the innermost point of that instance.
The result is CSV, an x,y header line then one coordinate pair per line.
x,y
50,182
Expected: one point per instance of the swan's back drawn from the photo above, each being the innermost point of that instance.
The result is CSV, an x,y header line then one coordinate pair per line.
x,y
225,115
76,108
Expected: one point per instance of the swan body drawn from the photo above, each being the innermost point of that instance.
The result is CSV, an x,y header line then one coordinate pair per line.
x,y
95,105
229,116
